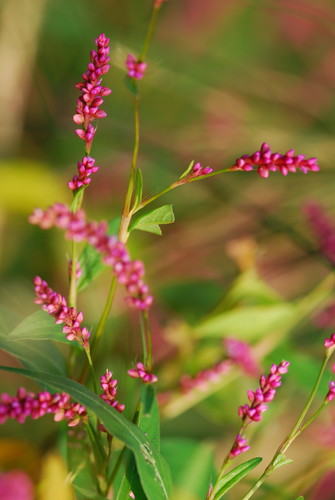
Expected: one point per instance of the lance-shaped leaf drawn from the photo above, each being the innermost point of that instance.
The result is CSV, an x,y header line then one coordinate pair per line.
x,y
187,171
39,326
138,192
152,468
233,477
151,221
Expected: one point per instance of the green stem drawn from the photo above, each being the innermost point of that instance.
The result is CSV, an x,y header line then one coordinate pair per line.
x,y
296,431
147,329
177,184
104,317
143,338
90,362
150,32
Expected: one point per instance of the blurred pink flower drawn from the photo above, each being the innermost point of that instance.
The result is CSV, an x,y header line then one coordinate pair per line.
x,y
16,485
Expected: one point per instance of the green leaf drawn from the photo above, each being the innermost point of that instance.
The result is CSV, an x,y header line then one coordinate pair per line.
x,y
249,322
90,261
281,460
138,188
77,199
148,422
233,477
38,326
131,85
150,221
153,470
187,171
300,498
32,354
191,463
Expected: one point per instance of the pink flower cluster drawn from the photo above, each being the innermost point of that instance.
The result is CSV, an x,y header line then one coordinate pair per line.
x,y
198,170
16,485
141,372
108,385
323,228
239,446
331,393
330,343
26,404
114,253
240,353
267,162
55,305
264,394
203,378
92,92
136,69
85,169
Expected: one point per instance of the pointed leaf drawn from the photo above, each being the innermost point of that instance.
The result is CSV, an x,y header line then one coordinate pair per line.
x,y
187,171
233,477
90,261
130,83
150,221
281,460
153,470
138,188
33,354
38,326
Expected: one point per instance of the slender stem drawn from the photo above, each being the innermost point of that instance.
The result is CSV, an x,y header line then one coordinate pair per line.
x,y
104,317
151,28
177,184
297,429
143,338
73,276
90,362
148,334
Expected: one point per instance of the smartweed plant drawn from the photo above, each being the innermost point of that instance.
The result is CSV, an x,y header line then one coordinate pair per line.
x,y
109,455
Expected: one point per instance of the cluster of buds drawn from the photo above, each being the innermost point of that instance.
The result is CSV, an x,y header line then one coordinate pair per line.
x,y
55,305
26,404
141,372
264,394
204,378
109,385
323,228
136,69
330,343
114,253
265,161
198,170
86,167
239,446
240,353
92,92
331,393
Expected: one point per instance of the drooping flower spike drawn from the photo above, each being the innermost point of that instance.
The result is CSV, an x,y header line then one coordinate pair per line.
x,y
108,386
114,253
265,161
136,69
55,305
26,404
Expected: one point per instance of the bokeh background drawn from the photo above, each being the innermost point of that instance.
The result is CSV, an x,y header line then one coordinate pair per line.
x,y
223,76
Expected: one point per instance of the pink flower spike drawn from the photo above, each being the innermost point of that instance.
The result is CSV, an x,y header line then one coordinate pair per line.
x,y
136,69
238,447
265,161
140,372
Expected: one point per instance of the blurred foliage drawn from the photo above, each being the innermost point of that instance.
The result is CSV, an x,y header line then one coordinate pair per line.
x,y
223,76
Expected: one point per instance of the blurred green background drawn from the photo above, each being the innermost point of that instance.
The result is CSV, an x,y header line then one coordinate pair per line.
x,y
223,76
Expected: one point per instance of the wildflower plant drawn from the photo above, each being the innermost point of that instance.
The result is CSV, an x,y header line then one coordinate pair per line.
x,y
124,457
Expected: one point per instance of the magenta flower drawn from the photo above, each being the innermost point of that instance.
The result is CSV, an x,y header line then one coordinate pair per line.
x,y
323,228
204,378
16,485
136,69
265,161
264,394
198,170
108,385
239,446
114,253
331,393
240,353
26,404
141,372
92,92
85,169
330,343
